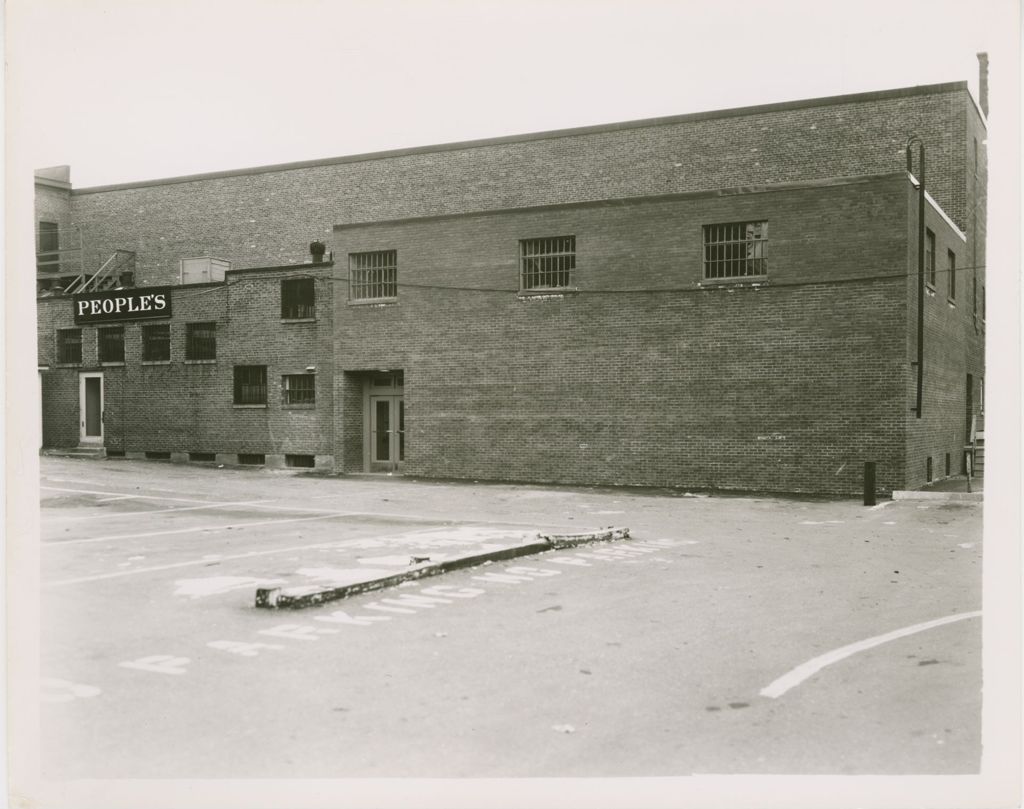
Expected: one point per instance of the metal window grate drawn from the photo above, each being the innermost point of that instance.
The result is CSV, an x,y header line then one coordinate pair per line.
x,y
300,461
250,384
736,250
252,458
201,341
548,263
69,346
156,343
111,344
374,275
298,389
298,299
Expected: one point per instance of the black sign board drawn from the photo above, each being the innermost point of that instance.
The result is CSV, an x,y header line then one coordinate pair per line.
x,y
122,304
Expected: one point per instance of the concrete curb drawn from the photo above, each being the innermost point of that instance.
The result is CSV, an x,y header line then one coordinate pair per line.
x,y
969,497
278,597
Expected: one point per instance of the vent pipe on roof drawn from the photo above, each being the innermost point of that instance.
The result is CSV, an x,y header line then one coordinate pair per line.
x,y
983,82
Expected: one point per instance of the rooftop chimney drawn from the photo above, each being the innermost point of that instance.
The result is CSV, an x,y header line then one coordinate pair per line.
x,y
983,82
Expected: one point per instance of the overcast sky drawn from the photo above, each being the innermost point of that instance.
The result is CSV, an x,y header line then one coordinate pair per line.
x,y
126,90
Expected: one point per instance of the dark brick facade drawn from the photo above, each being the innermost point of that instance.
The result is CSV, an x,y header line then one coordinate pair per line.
x,y
645,374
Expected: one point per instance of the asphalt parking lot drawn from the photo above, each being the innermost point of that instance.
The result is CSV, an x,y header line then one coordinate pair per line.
x,y
727,635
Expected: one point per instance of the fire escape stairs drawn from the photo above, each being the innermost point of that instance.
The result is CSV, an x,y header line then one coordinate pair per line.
x,y
110,275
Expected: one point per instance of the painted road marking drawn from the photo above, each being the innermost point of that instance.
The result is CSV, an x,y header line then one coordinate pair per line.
x,y
161,664
55,690
243,649
200,528
113,514
130,494
813,666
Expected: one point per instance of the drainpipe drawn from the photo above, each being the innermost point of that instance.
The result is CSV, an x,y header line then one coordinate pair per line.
x,y
920,267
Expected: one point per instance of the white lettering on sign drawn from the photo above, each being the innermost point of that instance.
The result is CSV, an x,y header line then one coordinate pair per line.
x,y
55,690
244,649
160,664
82,306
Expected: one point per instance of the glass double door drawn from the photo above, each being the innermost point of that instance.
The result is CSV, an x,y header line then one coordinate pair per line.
x,y
387,433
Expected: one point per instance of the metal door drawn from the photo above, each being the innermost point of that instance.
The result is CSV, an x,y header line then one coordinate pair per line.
x,y
90,409
387,433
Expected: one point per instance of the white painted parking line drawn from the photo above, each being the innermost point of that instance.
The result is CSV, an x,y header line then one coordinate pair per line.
x,y
813,666
113,514
197,529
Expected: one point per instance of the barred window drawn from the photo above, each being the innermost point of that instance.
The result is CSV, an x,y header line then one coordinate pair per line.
x,y
548,263
735,250
298,299
156,343
111,344
201,341
69,346
929,256
250,384
374,275
298,389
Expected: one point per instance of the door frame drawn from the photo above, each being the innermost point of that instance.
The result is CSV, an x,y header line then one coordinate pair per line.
x,y
374,391
83,439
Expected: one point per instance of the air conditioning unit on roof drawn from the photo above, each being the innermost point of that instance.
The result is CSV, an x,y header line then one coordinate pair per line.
x,y
202,270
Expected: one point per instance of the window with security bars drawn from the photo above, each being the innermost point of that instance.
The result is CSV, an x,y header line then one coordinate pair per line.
x,y
69,346
298,299
298,389
548,263
201,341
735,250
250,384
110,344
373,275
156,343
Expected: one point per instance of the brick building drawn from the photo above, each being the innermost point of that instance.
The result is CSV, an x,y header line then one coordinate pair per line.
x,y
723,300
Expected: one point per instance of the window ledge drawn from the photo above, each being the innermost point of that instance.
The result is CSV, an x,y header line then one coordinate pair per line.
x,y
112,364
156,362
200,362
929,288
67,365
553,292
311,406
373,302
249,406
298,320
951,302
748,281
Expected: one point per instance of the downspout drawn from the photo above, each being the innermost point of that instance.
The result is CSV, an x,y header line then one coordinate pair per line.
x,y
920,267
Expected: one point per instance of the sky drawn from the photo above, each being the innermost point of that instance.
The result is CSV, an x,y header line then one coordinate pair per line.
x,y
126,90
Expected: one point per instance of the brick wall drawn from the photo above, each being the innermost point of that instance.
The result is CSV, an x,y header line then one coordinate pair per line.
x,y
185,406
267,217
644,376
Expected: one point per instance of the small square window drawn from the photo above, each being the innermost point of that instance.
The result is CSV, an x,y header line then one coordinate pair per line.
x,y
69,346
250,385
298,299
735,250
374,276
548,263
200,341
156,343
111,344
298,389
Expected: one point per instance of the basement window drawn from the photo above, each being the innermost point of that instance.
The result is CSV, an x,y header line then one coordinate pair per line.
x,y
298,390
300,461
298,299
373,276
110,342
250,385
69,346
200,341
735,250
252,458
547,264
156,343
202,457
158,456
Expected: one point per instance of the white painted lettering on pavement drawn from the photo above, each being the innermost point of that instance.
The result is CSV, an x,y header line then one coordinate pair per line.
x,y
160,664
240,648
296,632
55,690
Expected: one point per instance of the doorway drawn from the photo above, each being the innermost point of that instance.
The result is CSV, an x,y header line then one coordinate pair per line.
x,y
385,420
90,409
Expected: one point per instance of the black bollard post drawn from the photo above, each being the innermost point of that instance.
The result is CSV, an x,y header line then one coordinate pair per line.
x,y
869,483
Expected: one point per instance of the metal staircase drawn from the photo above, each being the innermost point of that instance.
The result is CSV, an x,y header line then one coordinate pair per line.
x,y
118,270
975,449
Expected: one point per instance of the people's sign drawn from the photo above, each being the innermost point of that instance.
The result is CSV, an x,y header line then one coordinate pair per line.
x,y
122,304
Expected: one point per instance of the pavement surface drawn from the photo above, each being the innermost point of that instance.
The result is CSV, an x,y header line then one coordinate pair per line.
x,y
727,635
